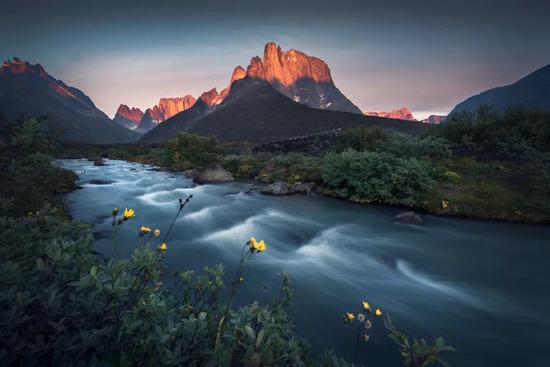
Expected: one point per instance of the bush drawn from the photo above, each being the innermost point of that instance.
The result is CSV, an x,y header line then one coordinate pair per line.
x,y
292,167
378,177
191,151
363,138
63,305
376,139
27,178
516,134
407,146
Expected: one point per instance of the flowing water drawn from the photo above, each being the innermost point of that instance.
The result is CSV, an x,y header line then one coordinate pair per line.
x,y
482,285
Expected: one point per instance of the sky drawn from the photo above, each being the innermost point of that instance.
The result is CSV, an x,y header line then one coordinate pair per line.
x,y
427,55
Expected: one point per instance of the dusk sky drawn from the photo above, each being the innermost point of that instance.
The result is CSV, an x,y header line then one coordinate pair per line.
x,y
427,55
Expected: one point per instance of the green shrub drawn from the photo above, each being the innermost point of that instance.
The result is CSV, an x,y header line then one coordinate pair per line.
x,y
378,177
191,151
363,138
406,146
516,134
452,177
376,139
292,167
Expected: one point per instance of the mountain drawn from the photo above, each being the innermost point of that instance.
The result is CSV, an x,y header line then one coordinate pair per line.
x,y
27,90
532,91
434,119
254,111
305,79
206,103
170,106
402,114
128,117
142,122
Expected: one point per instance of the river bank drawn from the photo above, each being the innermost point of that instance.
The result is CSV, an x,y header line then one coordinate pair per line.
x,y
482,192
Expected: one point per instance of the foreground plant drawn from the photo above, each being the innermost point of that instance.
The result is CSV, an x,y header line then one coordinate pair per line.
x,y
251,247
364,323
419,353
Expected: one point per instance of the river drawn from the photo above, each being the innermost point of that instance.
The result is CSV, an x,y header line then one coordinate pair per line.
x,y
482,285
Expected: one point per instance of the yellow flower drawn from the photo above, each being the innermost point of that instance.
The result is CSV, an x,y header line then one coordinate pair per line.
x,y
163,247
129,213
256,245
157,232
378,312
349,317
115,212
444,204
366,306
145,229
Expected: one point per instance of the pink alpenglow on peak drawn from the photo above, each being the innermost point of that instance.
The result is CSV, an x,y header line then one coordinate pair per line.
x,y
401,114
303,78
238,74
435,119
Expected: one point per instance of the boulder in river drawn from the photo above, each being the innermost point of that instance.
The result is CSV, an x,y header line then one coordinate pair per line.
x,y
409,217
98,162
96,181
277,188
214,174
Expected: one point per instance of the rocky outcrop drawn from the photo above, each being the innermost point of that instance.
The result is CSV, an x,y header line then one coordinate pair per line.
x,y
170,106
278,188
134,119
303,78
214,174
128,117
211,97
409,217
434,119
401,114
238,74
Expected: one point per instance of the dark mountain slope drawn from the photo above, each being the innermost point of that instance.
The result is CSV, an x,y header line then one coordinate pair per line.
x,y
531,92
27,90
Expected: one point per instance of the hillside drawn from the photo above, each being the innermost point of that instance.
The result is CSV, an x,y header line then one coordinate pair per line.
x,y
27,90
532,92
254,111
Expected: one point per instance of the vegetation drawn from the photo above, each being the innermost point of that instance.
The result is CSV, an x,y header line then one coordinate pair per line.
x,y
377,177
61,304
187,151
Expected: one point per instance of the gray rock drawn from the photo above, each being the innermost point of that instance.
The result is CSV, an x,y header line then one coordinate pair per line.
x,y
277,188
101,182
210,175
304,187
409,217
98,162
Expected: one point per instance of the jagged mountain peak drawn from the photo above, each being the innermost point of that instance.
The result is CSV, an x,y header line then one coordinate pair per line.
x,y
303,78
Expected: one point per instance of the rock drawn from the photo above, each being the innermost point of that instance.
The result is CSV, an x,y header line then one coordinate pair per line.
x,y
304,187
128,117
401,114
98,162
277,188
100,182
409,217
303,78
210,175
